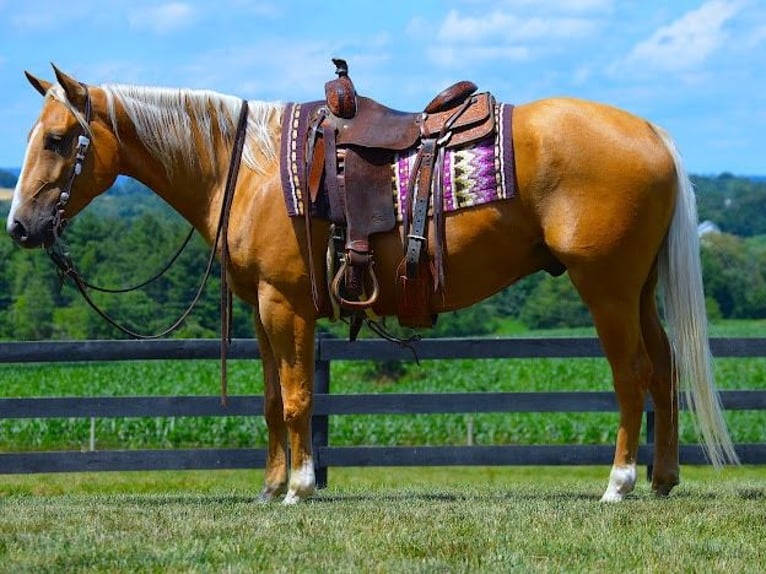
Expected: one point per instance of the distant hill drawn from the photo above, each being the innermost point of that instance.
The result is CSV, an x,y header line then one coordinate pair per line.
x,y
8,177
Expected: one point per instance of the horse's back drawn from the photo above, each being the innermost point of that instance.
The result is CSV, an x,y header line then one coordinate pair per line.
x,y
580,138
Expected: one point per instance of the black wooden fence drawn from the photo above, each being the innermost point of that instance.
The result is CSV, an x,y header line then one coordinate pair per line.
x,y
334,404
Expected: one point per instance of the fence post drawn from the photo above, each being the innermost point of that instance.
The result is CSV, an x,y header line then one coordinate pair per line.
x,y
649,437
320,423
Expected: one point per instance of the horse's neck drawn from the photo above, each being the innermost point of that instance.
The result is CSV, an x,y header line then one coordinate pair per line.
x,y
193,192
184,163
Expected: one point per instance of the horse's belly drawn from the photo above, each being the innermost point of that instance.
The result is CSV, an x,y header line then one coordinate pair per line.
x,y
486,249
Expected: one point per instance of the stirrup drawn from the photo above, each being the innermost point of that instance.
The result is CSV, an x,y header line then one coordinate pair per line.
x,y
360,305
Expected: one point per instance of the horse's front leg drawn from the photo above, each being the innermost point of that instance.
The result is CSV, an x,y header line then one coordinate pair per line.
x,y
276,475
289,330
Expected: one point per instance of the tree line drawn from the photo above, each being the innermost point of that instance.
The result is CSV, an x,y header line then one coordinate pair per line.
x,y
128,234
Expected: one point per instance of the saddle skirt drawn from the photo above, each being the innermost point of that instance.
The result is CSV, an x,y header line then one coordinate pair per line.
x,y
473,174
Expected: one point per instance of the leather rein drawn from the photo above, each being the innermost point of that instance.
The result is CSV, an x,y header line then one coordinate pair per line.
x,y
61,258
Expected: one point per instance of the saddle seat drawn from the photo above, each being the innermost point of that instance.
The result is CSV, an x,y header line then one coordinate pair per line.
x,y
352,143
375,125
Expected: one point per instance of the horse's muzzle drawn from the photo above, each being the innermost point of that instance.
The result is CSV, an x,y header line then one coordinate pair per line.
x,y
39,233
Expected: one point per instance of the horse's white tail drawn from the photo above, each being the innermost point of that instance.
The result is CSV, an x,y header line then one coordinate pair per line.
x,y
680,276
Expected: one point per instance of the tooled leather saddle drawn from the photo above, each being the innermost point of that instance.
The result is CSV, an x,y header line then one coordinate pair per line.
x,y
350,147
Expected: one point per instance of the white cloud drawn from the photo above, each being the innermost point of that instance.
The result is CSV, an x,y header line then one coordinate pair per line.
x,y
163,19
686,43
40,18
455,56
43,15
548,6
257,7
508,27
252,71
514,32
755,38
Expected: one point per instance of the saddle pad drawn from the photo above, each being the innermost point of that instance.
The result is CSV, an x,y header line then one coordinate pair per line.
x,y
475,174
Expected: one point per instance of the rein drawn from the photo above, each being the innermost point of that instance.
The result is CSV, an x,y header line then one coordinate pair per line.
x,y
63,262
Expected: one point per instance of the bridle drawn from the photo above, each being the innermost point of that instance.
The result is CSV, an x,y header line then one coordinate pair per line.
x,y
61,258
83,145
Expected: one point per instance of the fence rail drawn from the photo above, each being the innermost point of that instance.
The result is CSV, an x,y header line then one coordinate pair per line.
x,y
327,404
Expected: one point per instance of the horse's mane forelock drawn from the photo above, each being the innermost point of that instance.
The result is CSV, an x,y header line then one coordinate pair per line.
x,y
57,93
163,119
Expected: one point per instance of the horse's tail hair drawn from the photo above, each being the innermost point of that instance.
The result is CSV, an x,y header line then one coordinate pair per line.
x,y
680,277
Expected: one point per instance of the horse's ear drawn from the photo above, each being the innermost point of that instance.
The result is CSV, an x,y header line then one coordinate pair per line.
x,y
38,84
74,90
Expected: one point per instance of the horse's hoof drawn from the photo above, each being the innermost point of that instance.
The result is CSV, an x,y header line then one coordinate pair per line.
x,y
302,484
610,496
663,490
269,494
622,480
295,495
291,498
664,482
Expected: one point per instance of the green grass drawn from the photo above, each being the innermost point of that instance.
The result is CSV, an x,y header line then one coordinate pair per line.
x,y
381,520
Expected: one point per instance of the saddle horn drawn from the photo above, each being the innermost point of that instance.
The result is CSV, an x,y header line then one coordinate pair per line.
x,y
340,93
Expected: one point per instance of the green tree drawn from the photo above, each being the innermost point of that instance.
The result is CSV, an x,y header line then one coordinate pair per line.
x,y
736,204
31,313
555,303
733,274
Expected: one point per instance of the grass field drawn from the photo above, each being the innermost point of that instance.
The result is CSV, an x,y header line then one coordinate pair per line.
x,y
382,520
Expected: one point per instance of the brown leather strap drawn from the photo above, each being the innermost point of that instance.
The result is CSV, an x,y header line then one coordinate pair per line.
x,y
438,219
314,154
310,191
332,181
223,230
431,159
410,200
416,238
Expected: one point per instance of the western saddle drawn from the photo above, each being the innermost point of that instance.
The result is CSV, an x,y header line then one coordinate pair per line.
x,y
351,145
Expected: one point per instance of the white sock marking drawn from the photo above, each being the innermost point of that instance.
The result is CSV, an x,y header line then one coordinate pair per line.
x,y
622,480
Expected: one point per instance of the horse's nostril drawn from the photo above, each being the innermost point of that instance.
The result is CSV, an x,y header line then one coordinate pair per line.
x,y
18,231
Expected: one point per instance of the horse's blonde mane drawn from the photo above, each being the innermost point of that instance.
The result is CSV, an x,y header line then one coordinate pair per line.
x,y
164,118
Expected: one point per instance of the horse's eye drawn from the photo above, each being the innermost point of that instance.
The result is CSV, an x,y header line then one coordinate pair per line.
x,y
54,143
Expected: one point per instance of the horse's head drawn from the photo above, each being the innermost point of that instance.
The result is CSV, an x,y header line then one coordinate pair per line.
x,y
71,158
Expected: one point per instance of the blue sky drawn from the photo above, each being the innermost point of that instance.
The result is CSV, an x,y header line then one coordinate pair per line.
x,y
696,67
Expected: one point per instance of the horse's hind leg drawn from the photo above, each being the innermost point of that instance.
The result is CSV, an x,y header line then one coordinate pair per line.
x,y
663,391
617,321
275,476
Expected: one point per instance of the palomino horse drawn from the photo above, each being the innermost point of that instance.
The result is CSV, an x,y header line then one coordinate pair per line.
x,y
600,193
